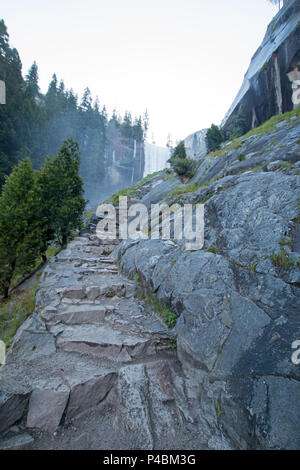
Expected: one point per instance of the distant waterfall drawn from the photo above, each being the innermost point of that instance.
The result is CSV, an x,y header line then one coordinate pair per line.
x,y
155,158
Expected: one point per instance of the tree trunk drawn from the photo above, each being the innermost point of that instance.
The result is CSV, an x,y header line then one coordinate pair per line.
x,y
6,282
5,287
64,240
5,291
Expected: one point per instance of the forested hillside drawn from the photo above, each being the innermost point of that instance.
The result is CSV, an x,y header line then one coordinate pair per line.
x,y
35,125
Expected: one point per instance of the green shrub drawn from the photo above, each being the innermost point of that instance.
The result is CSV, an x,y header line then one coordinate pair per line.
x,y
179,162
178,152
214,138
184,167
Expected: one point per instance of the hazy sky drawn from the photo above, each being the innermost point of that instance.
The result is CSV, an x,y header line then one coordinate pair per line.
x,y
183,60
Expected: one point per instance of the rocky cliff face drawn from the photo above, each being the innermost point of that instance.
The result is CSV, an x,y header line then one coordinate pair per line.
x,y
238,298
195,144
271,84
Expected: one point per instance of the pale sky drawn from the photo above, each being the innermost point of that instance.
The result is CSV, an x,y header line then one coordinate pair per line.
x,y
183,60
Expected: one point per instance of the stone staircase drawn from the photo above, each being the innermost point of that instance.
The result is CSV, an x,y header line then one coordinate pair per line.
x,y
93,368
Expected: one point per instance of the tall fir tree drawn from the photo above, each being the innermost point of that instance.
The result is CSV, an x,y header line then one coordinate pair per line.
x,y
20,224
62,193
214,138
32,81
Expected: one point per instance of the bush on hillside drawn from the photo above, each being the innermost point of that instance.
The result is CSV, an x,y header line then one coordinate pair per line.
x,y
214,138
183,166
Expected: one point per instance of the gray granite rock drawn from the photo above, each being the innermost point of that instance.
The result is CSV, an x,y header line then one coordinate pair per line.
x,y
238,306
46,408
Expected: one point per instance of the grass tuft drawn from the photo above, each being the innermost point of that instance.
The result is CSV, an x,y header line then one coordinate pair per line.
x,y
169,317
14,311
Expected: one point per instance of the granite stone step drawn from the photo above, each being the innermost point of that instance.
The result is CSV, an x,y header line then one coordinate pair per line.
x,y
103,341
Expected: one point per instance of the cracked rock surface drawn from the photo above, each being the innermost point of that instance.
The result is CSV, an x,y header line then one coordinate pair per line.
x,y
237,299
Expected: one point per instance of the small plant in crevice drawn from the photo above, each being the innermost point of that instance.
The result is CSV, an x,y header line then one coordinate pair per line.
x,y
170,176
137,279
282,260
106,252
218,409
286,242
172,342
110,293
213,249
286,165
141,295
297,219
169,317
253,267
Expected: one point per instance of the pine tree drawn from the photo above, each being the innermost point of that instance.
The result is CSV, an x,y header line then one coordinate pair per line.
x,y
146,123
183,166
12,138
32,81
214,138
126,126
86,102
62,193
46,206
4,38
169,143
20,224
178,152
